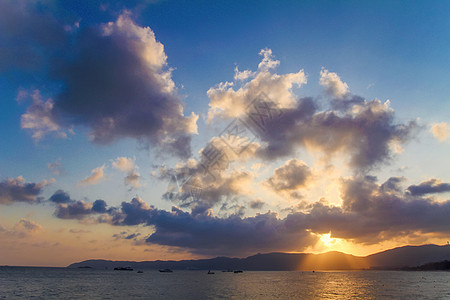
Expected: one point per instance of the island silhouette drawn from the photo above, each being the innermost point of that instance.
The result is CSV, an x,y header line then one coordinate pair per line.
x,y
406,258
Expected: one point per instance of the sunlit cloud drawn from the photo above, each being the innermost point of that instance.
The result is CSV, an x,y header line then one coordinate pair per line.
x,y
97,175
441,131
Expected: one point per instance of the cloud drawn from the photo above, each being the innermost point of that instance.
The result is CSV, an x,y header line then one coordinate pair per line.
x,y
193,185
126,164
370,213
432,186
78,231
28,226
211,235
74,210
363,131
112,79
96,176
99,206
68,208
119,85
17,190
333,84
39,119
293,175
56,167
257,204
133,179
60,197
226,102
441,131
22,229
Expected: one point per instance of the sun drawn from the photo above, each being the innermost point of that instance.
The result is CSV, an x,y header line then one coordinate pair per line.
x,y
327,240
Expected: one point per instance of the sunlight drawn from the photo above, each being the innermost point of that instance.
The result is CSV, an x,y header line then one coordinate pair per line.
x,y
327,240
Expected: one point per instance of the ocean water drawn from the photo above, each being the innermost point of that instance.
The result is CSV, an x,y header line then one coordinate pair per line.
x,y
61,283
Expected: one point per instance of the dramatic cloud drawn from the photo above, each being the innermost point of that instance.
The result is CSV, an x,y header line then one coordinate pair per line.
x,y
362,130
113,79
293,175
212,235
17,190
431,186
119,85
441,131
96,176
370,213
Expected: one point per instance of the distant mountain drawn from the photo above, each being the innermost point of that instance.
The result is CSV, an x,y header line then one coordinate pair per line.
x,y
407,256
436,266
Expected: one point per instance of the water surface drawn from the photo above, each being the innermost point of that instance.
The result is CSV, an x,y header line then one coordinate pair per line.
x,y
62,283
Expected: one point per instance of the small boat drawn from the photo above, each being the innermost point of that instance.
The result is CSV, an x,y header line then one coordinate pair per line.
x,y
209,272
165,270
140,271
123,269
238,271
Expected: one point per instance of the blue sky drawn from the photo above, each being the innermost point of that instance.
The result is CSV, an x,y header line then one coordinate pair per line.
x,y
145,81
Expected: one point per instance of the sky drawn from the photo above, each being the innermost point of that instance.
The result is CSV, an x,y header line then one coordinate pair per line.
x,y
145,130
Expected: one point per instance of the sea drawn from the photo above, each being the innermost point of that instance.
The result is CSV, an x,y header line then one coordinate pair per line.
x,y
65,283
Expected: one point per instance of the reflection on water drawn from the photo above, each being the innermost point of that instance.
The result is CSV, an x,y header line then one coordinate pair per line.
x,y
54,283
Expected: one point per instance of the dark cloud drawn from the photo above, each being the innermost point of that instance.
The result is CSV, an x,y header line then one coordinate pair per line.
x,y
370,213
99,206
213,235
73,210
365,132
60,197
17,190
112,78
432,186
291,176
119,86
257,204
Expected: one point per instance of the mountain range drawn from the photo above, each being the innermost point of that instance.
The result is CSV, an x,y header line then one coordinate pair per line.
x,y
397,258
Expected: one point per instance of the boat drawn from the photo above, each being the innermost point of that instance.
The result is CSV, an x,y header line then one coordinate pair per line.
x,y
123,269
238,271
165,270
209,272
140,271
